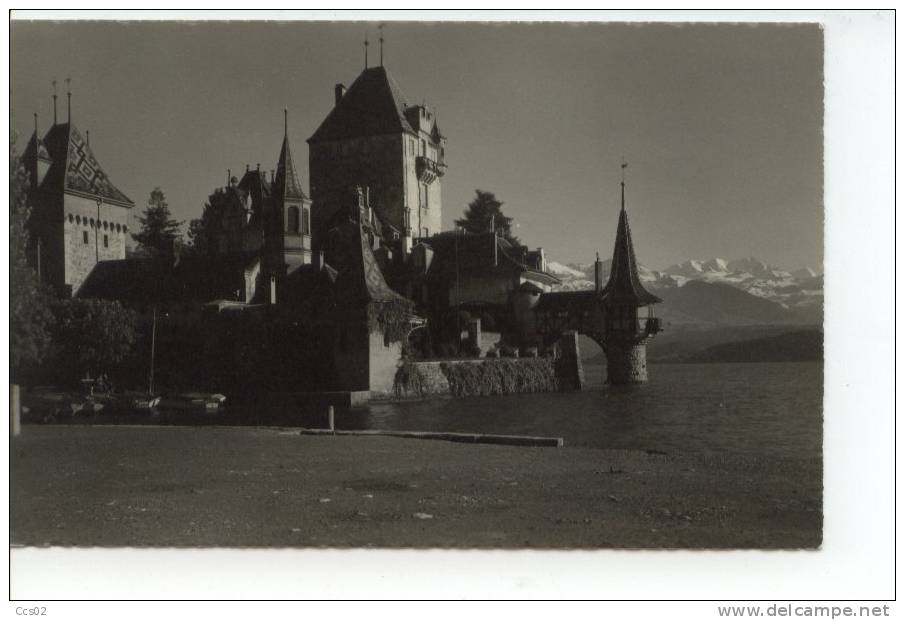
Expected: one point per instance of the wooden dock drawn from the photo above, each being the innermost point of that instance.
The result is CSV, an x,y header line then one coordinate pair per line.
x,y
504,440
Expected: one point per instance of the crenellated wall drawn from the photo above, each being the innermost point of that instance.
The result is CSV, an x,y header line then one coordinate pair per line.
x,y
85,241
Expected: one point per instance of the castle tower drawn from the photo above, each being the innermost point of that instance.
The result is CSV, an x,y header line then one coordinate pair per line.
x,y
623,295
79,217
372,138
290,221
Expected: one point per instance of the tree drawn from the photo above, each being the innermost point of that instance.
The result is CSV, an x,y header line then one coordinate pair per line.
x,y
29,303
484,208
93,335
158,230
202,232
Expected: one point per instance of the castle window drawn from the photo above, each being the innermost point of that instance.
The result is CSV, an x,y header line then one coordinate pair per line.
x,y
106,225
92,222
78,219
306,222
85,237
118,228
293,225
106,242
71,218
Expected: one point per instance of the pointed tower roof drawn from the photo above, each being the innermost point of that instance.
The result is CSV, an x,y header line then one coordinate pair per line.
x,y
75,169
286,182
373,106
35,150
624,286
360,279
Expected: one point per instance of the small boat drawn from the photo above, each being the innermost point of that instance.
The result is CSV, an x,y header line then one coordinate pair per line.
x,y
138,401
193,402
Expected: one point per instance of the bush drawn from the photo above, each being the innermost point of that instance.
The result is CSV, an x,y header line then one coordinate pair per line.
x,y
500,376
409,381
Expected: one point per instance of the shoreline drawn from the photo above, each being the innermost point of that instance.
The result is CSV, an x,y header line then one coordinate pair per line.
x,y
272,487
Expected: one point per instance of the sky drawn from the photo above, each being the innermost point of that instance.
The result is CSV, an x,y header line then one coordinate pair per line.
x,y
721,125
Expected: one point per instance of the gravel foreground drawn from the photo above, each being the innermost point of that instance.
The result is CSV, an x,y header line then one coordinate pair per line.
x,y
119,486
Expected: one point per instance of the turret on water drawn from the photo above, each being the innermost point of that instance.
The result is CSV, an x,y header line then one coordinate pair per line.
x,y
624,295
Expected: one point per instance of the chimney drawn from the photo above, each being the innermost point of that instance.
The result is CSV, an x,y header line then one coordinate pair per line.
x,y
319,260
338,92
543,260
496,257
598,274
273,290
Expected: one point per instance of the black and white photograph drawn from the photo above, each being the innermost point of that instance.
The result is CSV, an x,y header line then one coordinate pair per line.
x,y
411,284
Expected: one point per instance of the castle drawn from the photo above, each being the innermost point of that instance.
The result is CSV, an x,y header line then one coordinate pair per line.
x,y
336,282
79,218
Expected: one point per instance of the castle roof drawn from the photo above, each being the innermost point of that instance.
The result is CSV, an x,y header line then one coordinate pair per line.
x,y
373,106
359,278
34,150
286,182
473,255
624,286
144,281
74,168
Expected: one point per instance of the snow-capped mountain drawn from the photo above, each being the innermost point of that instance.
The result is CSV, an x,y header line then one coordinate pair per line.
x,y
800,291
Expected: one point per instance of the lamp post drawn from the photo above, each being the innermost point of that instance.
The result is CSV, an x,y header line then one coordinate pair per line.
x,y
153,346
458,296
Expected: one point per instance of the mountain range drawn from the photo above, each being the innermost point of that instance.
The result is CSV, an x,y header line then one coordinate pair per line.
x,y
717,291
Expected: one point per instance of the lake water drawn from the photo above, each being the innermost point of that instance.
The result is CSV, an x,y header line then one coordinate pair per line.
x,y
760,410
756,410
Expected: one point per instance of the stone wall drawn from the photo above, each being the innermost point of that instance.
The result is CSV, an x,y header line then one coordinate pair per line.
x,y
338,167
80,217
477,377
626,362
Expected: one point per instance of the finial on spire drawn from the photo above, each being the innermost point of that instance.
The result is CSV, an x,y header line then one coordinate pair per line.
x,y
36,126
624,166
87,138
68,99
285,122
366,50
380,28
597,257
54,83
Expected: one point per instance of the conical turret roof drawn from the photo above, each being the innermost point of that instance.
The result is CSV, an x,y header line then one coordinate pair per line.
x,y
624,286
286,181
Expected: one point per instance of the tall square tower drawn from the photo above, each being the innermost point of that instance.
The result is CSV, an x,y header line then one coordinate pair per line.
x,y
372,138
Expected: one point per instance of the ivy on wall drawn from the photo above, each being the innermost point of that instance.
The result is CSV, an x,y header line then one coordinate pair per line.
x,y
390,318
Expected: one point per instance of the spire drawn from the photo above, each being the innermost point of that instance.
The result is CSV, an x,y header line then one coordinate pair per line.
x,y
68,100
624,166
54,83
380,28
286,182
87,138
624,286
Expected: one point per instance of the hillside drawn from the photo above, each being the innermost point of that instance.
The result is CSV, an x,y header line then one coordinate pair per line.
x,y
798,346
